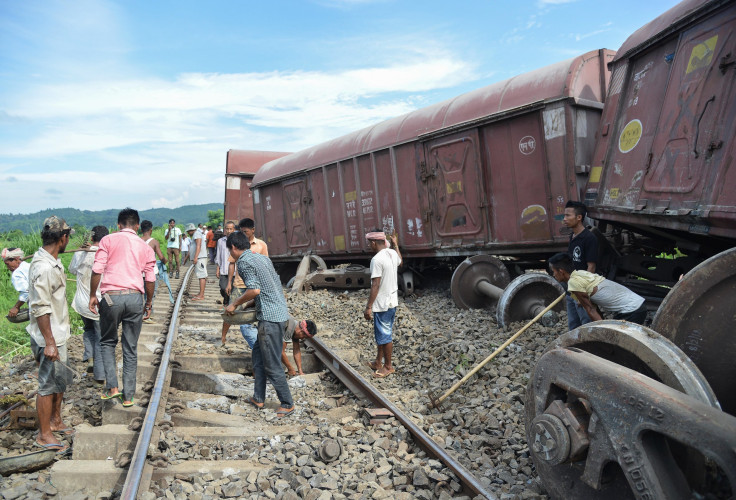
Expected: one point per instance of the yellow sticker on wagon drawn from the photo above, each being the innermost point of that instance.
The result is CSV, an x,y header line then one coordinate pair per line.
x,y
702,55
454,187
630,136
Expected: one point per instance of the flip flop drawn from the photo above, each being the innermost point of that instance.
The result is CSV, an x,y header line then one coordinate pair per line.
x,y
255,403
106,395
377,374
60,448
67,431
372,365
283,412
128,405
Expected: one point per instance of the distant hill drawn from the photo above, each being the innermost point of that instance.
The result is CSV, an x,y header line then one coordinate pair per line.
x,y
87,218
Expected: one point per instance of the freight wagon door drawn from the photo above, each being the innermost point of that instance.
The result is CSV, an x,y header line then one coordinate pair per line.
x,y
695,120
297,202
454,182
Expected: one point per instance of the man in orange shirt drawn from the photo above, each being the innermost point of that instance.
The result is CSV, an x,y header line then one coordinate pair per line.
x,y
211,244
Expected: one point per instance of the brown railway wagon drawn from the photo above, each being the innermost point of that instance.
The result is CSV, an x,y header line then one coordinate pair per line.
x,y
666,152
485,172
241,166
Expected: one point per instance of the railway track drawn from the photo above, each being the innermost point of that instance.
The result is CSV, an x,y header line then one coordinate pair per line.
x,y
196,436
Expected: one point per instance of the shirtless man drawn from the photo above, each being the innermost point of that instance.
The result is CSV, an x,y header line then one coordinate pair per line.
x,y
146,230
173,246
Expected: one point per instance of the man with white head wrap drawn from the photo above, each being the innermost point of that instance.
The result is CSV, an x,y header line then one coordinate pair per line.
x,y
13,259
383,298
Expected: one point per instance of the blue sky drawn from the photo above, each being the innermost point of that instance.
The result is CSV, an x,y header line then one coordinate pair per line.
x,y
105,104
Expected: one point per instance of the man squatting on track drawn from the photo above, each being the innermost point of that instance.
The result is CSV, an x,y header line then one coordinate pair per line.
x,y
383,299
49,331
247,227
173,247
295,331
200,261
120,261
583,250
592,290
263,284
13,259
81,266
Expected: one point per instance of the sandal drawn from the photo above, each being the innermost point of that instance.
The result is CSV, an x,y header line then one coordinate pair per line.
x,y
255,403
128,404
283,412
106,395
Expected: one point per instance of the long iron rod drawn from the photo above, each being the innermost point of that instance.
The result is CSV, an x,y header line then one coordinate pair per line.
x,y
133,479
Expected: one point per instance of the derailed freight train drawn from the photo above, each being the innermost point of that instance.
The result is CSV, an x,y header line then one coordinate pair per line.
x,y
482,174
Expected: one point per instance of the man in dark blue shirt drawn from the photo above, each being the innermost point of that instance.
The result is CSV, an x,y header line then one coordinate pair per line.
x,y
583,250
262,283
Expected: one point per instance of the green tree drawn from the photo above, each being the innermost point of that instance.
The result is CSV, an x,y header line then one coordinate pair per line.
x,y
215,217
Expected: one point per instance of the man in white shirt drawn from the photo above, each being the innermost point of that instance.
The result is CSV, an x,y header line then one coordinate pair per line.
x,y
81,266
200,260
383,299
13,259
173,246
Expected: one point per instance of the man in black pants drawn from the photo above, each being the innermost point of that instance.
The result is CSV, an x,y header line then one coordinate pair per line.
x,y
583,251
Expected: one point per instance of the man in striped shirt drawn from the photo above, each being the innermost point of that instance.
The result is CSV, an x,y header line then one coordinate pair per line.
x,y
262,283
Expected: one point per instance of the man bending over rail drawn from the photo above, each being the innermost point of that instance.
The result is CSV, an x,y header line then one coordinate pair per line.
x,y
588,289
263,284
294,332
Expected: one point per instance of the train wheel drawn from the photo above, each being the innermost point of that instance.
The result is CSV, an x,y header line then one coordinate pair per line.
x,y
597,430
526,296
698,316
473,276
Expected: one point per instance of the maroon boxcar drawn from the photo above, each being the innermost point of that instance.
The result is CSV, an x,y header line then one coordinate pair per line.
x,y
241,166
665,157
485,172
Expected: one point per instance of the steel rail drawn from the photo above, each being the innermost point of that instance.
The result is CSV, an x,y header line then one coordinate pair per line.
x,y
135,472
360,387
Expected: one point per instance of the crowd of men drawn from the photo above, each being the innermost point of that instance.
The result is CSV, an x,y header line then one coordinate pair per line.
x,y
117,276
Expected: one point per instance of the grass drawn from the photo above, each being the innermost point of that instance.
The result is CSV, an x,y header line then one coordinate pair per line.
x,y
14,339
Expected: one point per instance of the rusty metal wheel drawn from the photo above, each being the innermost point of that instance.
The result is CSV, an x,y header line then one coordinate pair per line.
x,y
596,410
698,316
526,296
472,279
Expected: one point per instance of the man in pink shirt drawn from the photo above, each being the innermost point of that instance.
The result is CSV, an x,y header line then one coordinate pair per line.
x,y
120,264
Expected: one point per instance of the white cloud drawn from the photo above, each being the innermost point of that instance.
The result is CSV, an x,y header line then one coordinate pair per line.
x,y
198,107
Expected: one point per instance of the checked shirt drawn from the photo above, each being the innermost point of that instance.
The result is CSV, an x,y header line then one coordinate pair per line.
x,y
257,272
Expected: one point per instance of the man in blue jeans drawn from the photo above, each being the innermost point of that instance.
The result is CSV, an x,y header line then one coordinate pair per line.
x,y
263,285
583,250
383,299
